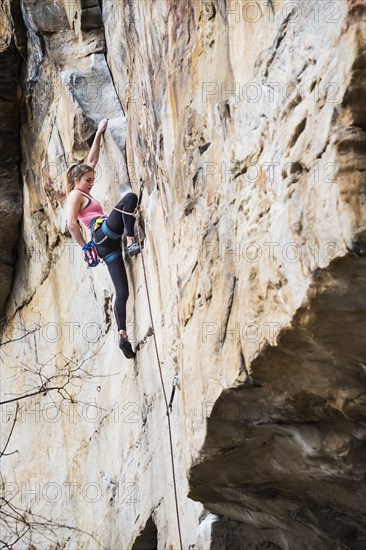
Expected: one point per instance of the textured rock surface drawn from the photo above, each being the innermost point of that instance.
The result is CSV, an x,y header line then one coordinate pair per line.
x,y
10,183
245,119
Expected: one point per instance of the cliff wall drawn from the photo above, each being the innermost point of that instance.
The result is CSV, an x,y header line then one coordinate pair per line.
x,y
246,123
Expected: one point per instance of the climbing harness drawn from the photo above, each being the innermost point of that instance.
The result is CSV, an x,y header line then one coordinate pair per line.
x,y
108,234
109,258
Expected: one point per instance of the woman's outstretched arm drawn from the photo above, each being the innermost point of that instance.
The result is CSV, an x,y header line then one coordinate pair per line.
x,y
94,151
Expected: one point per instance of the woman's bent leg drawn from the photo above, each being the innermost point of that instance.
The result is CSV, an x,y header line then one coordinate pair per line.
x,y
118,222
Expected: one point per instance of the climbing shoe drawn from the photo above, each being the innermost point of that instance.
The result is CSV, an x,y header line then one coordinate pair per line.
x,y
133,249
126,348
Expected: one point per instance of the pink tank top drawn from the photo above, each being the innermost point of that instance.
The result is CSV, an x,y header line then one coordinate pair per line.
x,y
93,210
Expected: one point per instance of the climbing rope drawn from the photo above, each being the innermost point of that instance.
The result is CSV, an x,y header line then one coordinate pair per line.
x,y
168,406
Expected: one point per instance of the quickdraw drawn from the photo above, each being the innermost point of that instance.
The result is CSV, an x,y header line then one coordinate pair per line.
x,y
175,384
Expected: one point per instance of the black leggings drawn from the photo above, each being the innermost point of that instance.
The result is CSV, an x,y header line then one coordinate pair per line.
x,y
118,223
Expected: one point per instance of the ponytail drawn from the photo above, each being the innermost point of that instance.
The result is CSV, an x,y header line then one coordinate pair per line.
x,y
76,170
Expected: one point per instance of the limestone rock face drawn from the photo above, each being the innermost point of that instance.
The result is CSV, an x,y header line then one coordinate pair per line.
x,y
245,120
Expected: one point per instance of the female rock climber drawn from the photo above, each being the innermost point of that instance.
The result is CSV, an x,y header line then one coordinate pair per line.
x,y
106,231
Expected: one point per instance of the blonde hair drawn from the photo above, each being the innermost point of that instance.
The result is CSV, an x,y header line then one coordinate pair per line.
x,y
76,170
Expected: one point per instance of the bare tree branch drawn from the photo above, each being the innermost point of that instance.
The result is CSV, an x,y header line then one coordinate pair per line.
x,y
28,332
2,453
22,525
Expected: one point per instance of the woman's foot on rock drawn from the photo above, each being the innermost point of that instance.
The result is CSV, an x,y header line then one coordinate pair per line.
x,y
133,250
125,346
